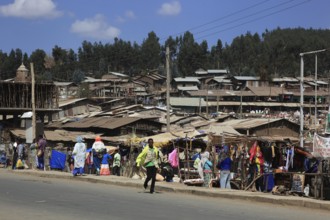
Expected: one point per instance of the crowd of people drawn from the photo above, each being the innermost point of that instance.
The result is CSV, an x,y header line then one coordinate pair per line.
x,y
79,161
98,160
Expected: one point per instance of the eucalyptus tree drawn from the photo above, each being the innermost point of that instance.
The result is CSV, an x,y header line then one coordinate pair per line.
x,y
78,76
65,62
216,55
3,65
151,52
173,45
38,59
190,55
86,57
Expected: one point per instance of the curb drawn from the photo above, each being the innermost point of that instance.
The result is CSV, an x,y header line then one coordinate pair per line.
x,y
267,198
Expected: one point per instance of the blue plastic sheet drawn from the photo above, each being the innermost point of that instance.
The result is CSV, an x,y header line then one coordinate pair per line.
x,y
57,161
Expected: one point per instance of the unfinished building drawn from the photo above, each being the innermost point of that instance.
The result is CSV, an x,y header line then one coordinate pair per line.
x,y
16,97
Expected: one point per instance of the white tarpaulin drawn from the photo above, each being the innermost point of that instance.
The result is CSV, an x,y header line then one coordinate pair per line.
x,y
321,146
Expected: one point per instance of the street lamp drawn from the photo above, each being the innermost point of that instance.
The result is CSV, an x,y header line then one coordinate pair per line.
x,y
301,133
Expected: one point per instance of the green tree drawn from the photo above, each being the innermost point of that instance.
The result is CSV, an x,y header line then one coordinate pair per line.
x,y
78,76
38,59
47,76
189,56
59,55
3,68
150,52
86,57
216,55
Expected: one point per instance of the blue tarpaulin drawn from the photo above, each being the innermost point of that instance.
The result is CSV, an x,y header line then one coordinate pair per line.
x,y
57,161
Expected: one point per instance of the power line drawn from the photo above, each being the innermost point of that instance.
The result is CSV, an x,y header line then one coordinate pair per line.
x,y
247,16
223,17
258,18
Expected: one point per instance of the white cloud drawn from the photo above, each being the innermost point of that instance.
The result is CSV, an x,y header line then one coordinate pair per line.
x,y
173,8
129,15
30,9
96,28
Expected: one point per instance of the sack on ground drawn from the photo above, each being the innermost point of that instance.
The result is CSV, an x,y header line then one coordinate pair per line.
x,y
19,164
159,177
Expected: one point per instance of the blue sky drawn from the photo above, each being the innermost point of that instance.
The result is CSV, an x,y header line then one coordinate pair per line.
x,y
42,24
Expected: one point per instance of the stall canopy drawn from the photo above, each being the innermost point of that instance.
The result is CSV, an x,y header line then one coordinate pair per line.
x,y
163,139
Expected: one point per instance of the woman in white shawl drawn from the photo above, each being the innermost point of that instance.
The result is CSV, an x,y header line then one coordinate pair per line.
x,y
205,168
79,153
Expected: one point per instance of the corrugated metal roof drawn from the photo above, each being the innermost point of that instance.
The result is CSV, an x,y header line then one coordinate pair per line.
x,y
187,79
62,103
267,91
312,83
311,93
200,123
222,80
152,77
218,71
285,79
64,84
322,82
113,100
57,135
101,122
219,129
200,71
188,88
92,80
119,74
247,78
220,93
249,123
182,101
262,104
159,76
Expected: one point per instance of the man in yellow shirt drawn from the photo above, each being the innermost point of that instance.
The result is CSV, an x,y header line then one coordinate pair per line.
x,y
149,159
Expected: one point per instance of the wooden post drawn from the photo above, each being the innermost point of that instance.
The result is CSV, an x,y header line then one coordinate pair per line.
x,y
186,171
322,181
178,159
168,78
33,102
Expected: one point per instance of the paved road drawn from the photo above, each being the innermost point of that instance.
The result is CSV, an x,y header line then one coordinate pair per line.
x,y
30,198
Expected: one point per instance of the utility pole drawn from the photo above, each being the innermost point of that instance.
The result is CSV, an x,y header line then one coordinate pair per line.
x,y
315,100
241,104
207,101
168,78
33,102
301,133
217,103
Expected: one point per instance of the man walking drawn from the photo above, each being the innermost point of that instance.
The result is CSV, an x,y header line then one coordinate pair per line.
x,y
149,159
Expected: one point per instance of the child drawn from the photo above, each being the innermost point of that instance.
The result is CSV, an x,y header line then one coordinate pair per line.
x,y
105,169
70,162
89,162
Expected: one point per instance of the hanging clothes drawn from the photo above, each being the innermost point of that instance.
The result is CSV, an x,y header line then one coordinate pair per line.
x,y
173,158
259,160
289,158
